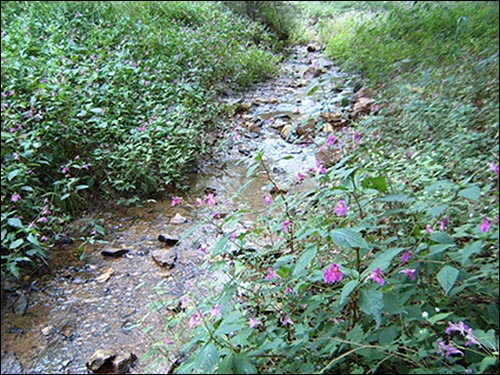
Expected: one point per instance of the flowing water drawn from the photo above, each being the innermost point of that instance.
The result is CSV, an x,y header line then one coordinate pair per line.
x,y
54,323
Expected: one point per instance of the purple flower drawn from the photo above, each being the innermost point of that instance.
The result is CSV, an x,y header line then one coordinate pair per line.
x,y
428,229
176,201
333,274
215,312
405,257
331,140
494,168
285,225
210,199
254,322
341,208
449,349
43,219
357,137
267,199
287,320
443,224
375,275
195,319
409,272
300,177
15,197
271,274
485,225
460,327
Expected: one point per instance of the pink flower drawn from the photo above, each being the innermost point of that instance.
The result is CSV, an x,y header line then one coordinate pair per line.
x,y
288,290
215,312
267,199
375,275
357,137
321,168
195,319
254,322
210,199
449,349
333,274
341,208
300,177
176,201
485,225
198,202
405,257
285,225
443,224
428,229
15,197
271,274
494,168
409,272
287,320
43,219
331,140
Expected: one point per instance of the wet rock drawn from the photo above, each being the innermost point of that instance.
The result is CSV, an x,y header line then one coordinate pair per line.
x,y
105,361
285,131
165,258
362,106
178,219
20,304
10,364
328,156
313,47
16,330
313,72
168,239
114,252
103,277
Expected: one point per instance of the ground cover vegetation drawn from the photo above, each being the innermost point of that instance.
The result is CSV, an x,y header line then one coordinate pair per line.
x,y
390,265
109,101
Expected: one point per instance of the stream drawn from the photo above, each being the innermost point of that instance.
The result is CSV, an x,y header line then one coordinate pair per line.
x,y
54,323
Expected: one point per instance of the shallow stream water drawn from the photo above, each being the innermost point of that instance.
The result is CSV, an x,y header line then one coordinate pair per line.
x,y
54,323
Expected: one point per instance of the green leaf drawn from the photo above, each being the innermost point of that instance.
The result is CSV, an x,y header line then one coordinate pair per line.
x,y
384,258
378,183
447,277
15,244
441,185
15,222
221,244
371,302
472,193
303,262
438,317
226,364
347,290
442,238
242,365
487,362
32,239
401,198
437,210
487,339
13,174
347,238
470,249
207,359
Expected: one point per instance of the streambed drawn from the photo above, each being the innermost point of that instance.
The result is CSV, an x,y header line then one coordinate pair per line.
x,y
53,323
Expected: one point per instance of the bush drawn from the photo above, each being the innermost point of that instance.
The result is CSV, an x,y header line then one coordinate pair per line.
x,y
105,99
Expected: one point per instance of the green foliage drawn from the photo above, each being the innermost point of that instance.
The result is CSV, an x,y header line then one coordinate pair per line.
x,y
405,281
280,17
402,291
106,99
